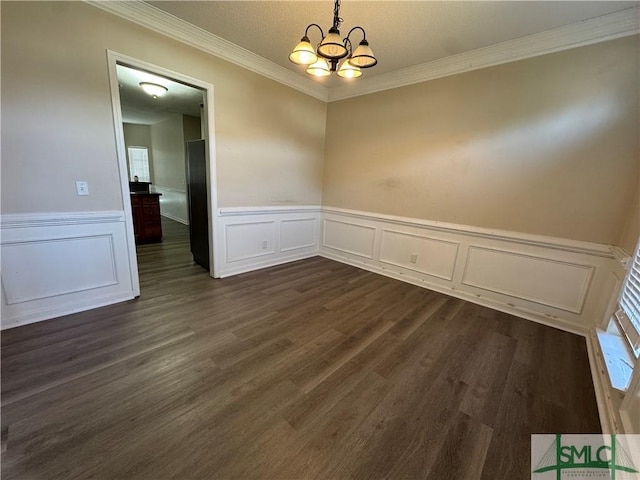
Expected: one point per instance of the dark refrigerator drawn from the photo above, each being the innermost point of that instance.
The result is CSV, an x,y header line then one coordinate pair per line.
x,y
197,201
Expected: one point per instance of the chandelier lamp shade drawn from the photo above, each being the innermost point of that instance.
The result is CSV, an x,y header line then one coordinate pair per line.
x,y
324,59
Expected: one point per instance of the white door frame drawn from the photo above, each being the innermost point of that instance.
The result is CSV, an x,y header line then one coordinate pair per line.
x,y
114,58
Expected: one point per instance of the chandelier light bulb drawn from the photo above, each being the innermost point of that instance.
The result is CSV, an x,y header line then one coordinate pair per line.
x,y
303,53
332,47
363,56
319,69
347,70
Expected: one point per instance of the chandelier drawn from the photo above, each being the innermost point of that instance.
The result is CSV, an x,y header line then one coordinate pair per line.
x,y
324,60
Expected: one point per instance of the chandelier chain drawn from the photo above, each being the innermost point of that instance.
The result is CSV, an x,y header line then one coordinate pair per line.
x,y
336,14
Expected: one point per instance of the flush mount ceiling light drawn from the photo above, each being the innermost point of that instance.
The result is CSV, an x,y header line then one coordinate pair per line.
x,y
154,89
324,59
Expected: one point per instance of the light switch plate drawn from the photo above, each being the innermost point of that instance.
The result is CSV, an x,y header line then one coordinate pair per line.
x,y
82,188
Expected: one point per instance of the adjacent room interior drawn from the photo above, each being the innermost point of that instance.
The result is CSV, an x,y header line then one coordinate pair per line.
x,y
166,161
215,265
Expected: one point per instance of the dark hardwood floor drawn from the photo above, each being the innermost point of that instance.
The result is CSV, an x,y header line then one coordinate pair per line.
x,y
312,369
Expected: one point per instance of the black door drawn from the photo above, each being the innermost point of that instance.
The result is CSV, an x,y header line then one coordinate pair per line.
x,y
197,201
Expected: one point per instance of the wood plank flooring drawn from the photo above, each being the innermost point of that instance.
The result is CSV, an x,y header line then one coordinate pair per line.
x,y
312,369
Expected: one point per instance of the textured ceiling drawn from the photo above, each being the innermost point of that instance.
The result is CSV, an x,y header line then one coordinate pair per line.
x,y
141,108
402,34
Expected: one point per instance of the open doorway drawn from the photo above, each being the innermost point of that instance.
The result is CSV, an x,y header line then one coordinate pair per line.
x,y
165,156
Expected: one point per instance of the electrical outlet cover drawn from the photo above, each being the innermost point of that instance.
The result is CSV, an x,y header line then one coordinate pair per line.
x,y
82,188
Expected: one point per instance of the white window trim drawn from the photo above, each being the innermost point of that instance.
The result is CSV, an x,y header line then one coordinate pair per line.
x,y
618,354
627,314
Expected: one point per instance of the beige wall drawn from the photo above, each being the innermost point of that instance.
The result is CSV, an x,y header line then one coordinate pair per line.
x,y
167,140
191,128
547,145
139,136
631,232
55,80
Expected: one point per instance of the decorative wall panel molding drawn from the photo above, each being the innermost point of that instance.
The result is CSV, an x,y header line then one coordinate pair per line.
x,y
623,257
298,233
527,277
258,237
433,257
249,239
592,249
93,266
558,282
349,237
61,263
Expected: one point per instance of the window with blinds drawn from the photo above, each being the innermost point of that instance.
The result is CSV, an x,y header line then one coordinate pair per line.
x,y
628,315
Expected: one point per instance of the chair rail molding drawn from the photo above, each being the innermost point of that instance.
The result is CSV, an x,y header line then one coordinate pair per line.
x,y
24,220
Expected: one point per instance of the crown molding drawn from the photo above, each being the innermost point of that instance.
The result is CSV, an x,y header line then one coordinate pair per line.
x,y
164,23
595,30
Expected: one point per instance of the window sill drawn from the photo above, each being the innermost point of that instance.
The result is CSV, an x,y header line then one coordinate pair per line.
x,y
618,359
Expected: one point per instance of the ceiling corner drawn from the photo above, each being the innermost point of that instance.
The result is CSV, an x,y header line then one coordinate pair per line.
x,y
166,24
600,29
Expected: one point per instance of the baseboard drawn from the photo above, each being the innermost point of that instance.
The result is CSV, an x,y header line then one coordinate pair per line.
x,y
485,302
175,219
553,281
265,264
62,310
557,282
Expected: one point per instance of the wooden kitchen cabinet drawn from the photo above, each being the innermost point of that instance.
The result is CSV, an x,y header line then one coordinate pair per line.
x,y
147,226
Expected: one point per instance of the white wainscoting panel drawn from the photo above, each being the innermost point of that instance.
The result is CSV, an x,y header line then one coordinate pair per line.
x,y
300,233
257,237
93,266
249,239
433,257
554,281
56,264
349,237
528,277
